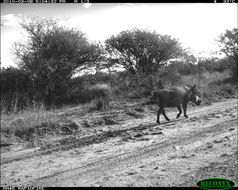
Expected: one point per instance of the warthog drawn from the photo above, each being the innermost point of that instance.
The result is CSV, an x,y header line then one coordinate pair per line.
x,y
175,97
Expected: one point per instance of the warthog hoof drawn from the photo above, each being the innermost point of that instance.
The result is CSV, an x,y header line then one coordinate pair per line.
x,y
158,122
177,116
186,116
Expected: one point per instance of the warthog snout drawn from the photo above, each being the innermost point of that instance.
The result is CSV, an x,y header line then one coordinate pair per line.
x,y
198,101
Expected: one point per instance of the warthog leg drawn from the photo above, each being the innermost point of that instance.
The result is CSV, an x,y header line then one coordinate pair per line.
x,y
158,114
163,112
184,110
180,111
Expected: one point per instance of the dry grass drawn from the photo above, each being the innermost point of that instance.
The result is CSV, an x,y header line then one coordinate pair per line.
x,y
20,123
212,86
36,122
205,79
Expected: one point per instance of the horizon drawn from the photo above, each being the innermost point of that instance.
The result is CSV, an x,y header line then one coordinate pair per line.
x,y
99,21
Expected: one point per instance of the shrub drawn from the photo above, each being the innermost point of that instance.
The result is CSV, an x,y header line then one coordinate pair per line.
x,y
99,95
99,90
229,88
99,104
16,89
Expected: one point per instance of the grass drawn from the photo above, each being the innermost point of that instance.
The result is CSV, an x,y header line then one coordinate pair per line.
x,y
22,123
212,86
205,79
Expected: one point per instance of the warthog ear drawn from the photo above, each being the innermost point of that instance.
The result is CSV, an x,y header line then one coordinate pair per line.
x,y
192,88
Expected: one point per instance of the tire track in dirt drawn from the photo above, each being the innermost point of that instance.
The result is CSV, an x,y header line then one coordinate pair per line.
x,y
103,136
95,167
105,165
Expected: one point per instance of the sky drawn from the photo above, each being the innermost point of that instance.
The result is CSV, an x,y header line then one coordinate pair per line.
x,y
196,26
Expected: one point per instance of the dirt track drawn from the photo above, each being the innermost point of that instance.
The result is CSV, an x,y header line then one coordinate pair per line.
x,y
137,152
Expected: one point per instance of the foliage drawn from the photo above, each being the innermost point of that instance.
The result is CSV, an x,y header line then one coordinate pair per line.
x,y
87,92
142,52
99,104
229,45
16,89
52,55
214,64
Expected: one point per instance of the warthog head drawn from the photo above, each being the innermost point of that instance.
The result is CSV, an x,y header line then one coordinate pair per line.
x,y
193,95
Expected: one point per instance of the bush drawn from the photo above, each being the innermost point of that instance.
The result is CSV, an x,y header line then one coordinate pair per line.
x,y
99,104
214,92
170,77
229,88
98,90
84,94
99,95
215,65
16,89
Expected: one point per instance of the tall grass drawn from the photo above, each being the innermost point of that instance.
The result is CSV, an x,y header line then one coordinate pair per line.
x,y
212,86
20,123
205,79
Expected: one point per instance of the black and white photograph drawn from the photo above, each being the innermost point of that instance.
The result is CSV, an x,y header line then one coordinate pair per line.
x,y
118,95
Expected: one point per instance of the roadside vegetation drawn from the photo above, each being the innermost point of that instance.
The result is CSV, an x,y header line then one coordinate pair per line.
x,y
127,67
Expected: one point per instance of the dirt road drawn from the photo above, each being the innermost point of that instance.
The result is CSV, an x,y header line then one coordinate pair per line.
x,y
137,152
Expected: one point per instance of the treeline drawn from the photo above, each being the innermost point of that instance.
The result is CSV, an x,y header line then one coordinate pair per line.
x,y
19,90
49,60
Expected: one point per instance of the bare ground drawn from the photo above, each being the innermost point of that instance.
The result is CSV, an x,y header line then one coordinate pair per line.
x,y
133,151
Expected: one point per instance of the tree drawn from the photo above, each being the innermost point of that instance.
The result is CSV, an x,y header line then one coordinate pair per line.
x,y
142,52
229,45
52,55
15,88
